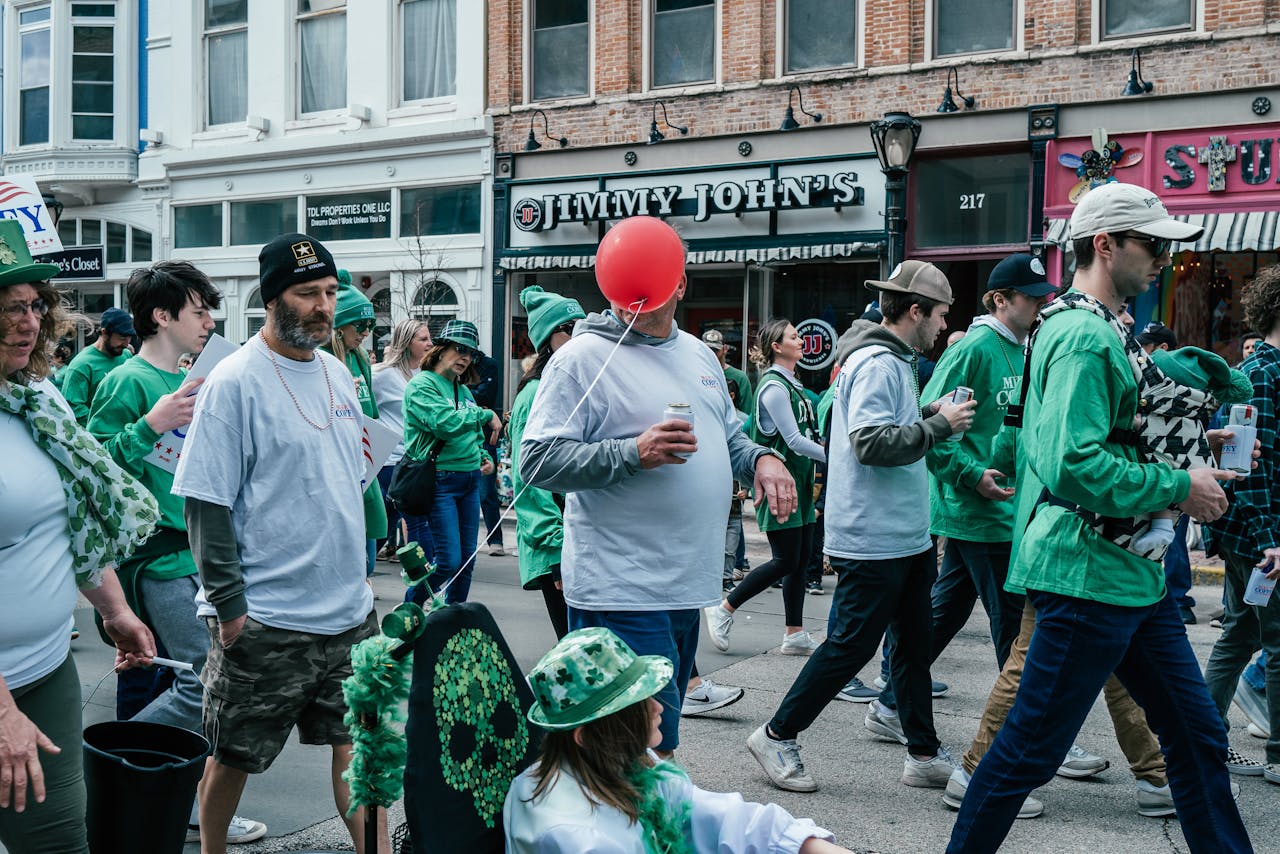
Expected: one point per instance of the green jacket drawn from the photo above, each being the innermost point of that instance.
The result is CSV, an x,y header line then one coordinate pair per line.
x,y
116,419
79,380
437,408
991,365
1082,388
539,518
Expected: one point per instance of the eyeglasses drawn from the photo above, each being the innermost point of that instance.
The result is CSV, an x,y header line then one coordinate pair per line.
x,y
13,312
1157,246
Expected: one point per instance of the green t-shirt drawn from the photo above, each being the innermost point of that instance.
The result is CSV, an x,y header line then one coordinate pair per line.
x,y
437,408
991,365
1082,388
800,466
117,420
80,378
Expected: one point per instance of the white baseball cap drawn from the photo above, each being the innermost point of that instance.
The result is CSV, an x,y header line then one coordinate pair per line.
x,y
1120,207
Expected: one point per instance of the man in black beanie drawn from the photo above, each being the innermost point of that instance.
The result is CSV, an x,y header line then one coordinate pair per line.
x,y
271,470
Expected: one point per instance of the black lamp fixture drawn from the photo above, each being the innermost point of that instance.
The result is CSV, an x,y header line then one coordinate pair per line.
x,y
53,206
532,144
895,137
655,135
948,104
789,120
1136,85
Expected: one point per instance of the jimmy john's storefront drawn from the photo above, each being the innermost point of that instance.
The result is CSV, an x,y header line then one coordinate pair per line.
x,y
793,238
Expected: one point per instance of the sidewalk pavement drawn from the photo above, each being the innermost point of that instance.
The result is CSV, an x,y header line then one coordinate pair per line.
x,y
861,799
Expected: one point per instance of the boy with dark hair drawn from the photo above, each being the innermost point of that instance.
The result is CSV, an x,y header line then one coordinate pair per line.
x,y
135,405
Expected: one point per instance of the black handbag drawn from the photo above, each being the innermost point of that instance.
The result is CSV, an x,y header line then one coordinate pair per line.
x,y
413,483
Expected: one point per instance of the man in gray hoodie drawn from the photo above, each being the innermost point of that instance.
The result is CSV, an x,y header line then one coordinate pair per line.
x,y
646,500
877,530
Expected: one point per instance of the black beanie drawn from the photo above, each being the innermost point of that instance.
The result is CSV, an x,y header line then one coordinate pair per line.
x,y
291,259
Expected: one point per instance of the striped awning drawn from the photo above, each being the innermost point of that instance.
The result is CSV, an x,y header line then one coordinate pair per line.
x,y
760,255
1227,232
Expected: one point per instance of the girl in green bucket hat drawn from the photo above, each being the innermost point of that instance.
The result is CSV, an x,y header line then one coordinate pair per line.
x,y
598,786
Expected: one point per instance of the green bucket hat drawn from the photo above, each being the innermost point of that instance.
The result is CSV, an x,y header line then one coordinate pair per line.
x,y
460,332
546,312
591,674
16,266
1196,368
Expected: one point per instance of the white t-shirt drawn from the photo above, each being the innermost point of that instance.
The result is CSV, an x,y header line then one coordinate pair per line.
x,y
294,491
35,556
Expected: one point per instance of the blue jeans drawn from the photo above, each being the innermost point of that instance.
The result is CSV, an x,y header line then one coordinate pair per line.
x,y
455,526
393,515
1177,566
1256,674
1077,644
671,634
490,506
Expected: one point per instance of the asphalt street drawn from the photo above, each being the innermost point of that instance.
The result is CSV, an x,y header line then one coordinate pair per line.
x,y
861,799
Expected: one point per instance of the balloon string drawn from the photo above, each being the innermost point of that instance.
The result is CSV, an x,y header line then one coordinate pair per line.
x,y
635,309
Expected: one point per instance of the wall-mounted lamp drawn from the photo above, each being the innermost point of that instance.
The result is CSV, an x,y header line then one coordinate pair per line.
x,y
1136,85
532,144
789,120
655,136
53,206
948,104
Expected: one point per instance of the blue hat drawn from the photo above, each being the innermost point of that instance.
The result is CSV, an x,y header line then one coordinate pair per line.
x,y
117,321
1023,273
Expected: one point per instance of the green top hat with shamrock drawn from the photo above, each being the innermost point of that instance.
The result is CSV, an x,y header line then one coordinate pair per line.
x,y
16,265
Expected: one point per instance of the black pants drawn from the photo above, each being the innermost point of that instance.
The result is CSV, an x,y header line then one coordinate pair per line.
x,y
872,596
791,548
554,599
971,572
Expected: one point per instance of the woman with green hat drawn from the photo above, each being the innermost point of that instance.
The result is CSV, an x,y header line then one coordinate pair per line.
x,y
539,519
441,416
599,788
352,322
57,535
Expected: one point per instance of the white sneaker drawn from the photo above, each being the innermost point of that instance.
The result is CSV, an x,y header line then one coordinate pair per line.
x,y
240,831
1257,731
780,759
928,773
958,784
884,723
799,643
719,621
708,697
1155,801
1080,763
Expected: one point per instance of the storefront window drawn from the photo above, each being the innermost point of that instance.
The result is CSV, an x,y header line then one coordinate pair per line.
x,y
116,242
972,201
561,54
972,26
683,44
430,49
821,34
197,225
141,241
440,210
67,232
255,314
436,302
322,44
90,232
1129,17
258,222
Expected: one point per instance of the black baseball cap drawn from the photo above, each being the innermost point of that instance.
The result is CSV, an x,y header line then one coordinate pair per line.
x,y
117,321
1021,272
1157,333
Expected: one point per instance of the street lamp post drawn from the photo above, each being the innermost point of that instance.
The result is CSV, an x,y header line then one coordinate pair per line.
x,y
895,137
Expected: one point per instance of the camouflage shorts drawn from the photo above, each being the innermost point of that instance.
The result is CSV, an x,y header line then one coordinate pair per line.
x,y
270,680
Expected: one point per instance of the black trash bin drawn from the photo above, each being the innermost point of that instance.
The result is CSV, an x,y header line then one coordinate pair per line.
x,y
141,780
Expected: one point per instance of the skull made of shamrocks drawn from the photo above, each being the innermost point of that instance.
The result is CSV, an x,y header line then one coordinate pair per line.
x,y
483,734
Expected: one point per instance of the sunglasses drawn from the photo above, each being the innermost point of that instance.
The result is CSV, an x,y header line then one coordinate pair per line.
x,y
363,326
566,328
464,350
1157,246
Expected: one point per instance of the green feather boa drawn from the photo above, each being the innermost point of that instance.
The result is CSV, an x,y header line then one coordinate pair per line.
x,y
375,693
663,825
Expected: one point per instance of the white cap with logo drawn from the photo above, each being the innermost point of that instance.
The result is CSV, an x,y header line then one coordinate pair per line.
x,y
1120,207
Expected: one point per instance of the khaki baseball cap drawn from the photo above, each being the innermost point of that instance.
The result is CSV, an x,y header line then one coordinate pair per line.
x,y
1120,207
916,277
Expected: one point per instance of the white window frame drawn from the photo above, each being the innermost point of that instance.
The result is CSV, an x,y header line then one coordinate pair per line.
x,y
207,33
398,34
931,34
116,82
527,58
337,7
1100,37
19,31
780,40
646,53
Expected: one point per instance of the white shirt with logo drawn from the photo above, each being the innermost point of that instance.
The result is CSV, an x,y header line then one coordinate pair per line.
x,y
294,491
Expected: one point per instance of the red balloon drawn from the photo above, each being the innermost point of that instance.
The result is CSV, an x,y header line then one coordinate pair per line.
x,y
640,260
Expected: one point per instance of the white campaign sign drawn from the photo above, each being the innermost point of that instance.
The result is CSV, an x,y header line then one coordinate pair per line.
x,y
378,443
21,200
167,450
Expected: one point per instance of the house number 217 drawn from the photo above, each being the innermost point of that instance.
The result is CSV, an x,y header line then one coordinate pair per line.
x,y
972,201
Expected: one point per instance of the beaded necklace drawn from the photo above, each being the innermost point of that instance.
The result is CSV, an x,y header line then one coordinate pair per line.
x,y
280,375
